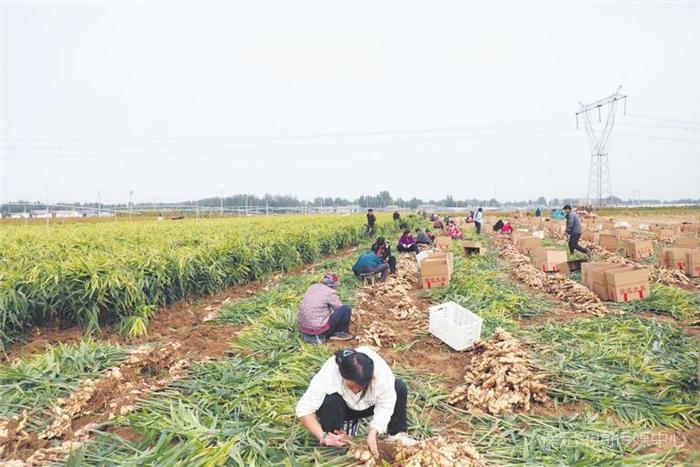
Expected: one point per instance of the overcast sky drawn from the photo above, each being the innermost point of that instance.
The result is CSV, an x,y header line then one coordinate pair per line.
x,y
182,101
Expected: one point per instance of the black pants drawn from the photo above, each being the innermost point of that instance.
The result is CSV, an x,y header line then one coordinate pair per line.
x,y
478,227
334,412
392,264
404,249
339,321
382,268
574,246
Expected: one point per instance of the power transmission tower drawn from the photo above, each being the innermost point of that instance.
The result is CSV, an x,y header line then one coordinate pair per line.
x,y
599,184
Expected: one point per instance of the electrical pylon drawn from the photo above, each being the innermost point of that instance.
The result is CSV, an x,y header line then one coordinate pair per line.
x,y
599,184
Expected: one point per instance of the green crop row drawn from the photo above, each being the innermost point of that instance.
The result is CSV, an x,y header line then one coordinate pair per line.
x,y
98,273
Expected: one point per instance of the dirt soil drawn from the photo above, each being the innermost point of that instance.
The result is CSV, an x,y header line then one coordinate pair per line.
x,y
399,309
178,336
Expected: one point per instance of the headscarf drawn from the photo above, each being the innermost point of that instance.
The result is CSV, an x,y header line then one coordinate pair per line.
x,y
331,280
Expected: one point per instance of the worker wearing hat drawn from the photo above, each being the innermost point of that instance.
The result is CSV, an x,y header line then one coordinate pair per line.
x,y
322,315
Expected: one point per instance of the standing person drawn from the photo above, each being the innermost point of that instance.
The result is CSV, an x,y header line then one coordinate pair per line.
x,y
538,213
478,219
382,249
350,386
407,243
396,216
371,220
322,315
370,263
574,230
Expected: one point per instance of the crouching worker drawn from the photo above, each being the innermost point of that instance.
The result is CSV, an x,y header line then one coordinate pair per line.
x,y
322,315
370,263
382,249
351,386
407,243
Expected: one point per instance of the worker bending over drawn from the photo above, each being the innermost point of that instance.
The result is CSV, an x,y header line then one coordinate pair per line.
x,y
351,386
322,315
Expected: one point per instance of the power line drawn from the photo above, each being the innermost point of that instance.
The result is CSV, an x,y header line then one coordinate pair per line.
x,y
340,145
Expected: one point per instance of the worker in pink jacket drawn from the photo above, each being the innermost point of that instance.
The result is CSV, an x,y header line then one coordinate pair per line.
x,y
322,315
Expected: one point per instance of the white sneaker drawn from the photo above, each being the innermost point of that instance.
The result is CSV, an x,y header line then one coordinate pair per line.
x,y
403,438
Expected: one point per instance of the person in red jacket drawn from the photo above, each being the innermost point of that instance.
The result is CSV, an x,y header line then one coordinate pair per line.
x,y
507,228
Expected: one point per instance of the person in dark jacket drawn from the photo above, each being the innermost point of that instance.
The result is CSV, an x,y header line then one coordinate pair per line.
x,y
574,230
407,243
370,263
538,213
382,249
371,220
396,216
422,237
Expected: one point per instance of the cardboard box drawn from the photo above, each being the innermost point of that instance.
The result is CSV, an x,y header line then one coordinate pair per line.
x,y
609,241
587,270
443,243
637,249
690,228
666,261
599,280
627,285
548,259
436,269
473,248
518,234
686,242
591,237
568,267
693,263
676,258
528,245
622,234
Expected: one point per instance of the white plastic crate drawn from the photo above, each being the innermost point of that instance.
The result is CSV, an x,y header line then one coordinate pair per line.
x,y
454,325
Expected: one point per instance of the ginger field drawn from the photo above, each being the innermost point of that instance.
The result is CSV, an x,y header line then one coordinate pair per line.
x,y
177,343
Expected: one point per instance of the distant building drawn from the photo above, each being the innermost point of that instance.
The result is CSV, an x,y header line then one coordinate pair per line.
x,y
64,214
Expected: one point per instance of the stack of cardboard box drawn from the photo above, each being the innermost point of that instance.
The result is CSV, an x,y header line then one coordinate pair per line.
x,y
435,268
639,248
610,281
627,284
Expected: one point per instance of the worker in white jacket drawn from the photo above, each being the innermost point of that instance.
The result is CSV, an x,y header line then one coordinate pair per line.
x,y
350,386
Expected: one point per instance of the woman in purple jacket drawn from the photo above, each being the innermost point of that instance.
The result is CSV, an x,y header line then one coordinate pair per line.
x,y
407,243
322,315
